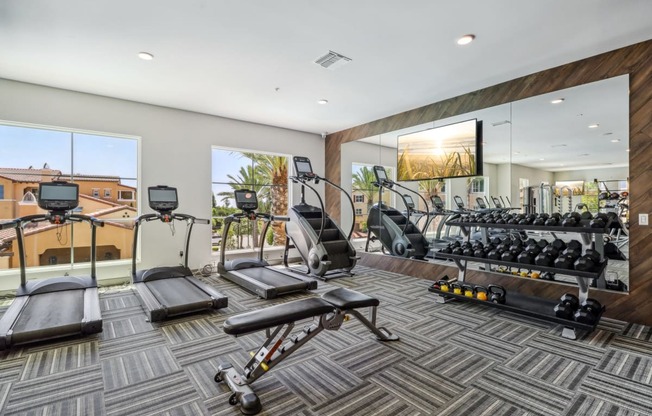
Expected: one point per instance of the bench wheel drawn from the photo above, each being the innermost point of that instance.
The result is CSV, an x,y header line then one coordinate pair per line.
x,y
218,377
233,399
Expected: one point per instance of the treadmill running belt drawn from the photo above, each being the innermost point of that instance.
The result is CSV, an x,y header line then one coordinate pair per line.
x,y
50,315
176,292
271,277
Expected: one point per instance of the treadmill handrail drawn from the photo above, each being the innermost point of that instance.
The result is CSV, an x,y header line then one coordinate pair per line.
x,y
251,215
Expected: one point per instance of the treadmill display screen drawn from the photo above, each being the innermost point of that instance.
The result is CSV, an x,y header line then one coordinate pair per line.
x,y
409,200
437,202
302,165
246,200
163,198
380,173
58,196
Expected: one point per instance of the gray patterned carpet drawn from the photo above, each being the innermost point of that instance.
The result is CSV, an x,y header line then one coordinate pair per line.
x,y
452,359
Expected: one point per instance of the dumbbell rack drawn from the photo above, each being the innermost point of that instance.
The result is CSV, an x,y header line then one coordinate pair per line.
x,y
530,305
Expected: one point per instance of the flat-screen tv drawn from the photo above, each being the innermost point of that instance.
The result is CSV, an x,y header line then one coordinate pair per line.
x,y
451,151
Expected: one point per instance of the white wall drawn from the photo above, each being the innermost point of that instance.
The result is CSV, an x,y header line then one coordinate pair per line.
x,y
605,174
175,149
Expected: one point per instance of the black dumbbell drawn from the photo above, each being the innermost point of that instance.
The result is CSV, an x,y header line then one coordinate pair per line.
x,y
568,222
550,250
588,312
508,255
544,259
574,254
585,264
551,222
564,262
539,221
479,253
558,244
597,223
458,251
525,257
542,244
495,254
566,307
595,255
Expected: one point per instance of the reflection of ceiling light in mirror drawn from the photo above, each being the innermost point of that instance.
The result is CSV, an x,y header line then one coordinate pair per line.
x,y
541,158
594,126
145,56
584,154
465,40
627,150
557,101
322,101
615,140
607,133
517,153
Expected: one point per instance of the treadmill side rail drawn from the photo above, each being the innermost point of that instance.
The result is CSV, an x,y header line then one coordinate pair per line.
x,y
219,299
9,319
92,321
155,311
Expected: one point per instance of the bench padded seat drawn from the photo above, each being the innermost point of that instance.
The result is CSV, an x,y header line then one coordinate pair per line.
x,y
349,299
273,316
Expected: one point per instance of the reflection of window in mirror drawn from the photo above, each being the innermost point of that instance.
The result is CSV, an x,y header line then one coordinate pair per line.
x,y
365,194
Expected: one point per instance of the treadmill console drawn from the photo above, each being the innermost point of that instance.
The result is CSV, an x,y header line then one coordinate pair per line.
x,y
58,196
409,201
437,202
302,167
381,175
163,199
246,200
458,201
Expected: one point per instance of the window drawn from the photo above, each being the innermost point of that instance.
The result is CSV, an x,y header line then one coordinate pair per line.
x,y
364,191
31,156
125,195
358,211
358,198
107,193
264,173
2,192
477,185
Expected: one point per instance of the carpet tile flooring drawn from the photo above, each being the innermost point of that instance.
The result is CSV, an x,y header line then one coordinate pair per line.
x,y
453,359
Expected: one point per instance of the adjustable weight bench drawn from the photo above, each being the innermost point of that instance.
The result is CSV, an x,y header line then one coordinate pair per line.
x,y
328,312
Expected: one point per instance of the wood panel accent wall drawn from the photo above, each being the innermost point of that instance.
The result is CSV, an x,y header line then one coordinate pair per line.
x,y
635,60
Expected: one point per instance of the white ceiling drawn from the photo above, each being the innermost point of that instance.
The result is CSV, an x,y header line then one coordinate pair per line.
x,y
253,60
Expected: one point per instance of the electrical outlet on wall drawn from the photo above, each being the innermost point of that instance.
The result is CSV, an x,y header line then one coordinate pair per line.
x,y
643,219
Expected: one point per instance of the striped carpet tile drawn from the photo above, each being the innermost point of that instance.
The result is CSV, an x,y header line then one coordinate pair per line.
x,y
330,342
202,376
630,366
456,363
130,344
192,408
486,346
619,391
275,398
391,297
366,358
5,388
451,312
88,404
420,305
612,325
477,309
528,393
551,368
189,330
118,300
204,349
477,403
316,381
10,370
641,332
410,344
128,322
571,349
64,358
152,396
398,316
65,391
632,344
435,328
136,367
366,399
526,320
418,386
587,405
507,331
598,338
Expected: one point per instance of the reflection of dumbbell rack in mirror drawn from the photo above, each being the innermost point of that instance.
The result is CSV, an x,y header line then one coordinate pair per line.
x,y
584,261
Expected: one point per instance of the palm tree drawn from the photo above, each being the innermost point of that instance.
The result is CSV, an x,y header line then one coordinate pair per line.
x,y
362,182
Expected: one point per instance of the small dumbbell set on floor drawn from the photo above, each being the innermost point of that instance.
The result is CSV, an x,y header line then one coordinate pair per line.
x,y
586,312
328,313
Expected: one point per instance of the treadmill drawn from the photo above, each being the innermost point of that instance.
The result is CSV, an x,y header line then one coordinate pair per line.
x,y
169,291
254,274
59,306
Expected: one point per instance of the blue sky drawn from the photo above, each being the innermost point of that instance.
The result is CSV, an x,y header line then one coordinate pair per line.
x,y
22,147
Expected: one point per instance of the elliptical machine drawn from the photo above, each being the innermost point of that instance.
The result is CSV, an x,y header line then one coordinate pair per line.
x,y
398,235
322,244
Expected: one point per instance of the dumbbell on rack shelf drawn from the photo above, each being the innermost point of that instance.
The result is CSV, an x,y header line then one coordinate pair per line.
x,y
567,306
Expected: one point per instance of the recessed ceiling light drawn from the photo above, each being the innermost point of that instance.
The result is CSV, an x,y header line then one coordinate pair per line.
x,y
594,126
607,133
615,140
145,56
465,40
322,101
541,158
584,154
557,101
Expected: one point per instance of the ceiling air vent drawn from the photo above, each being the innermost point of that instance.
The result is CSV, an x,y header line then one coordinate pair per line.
x,y
332,60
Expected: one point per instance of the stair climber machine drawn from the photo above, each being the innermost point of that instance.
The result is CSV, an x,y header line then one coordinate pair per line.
x,y
58,306
322,244
399,236
255,275
168,291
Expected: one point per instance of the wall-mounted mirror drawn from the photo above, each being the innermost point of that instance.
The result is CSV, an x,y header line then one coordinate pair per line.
x,y
574,142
